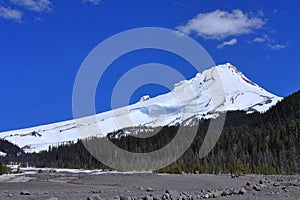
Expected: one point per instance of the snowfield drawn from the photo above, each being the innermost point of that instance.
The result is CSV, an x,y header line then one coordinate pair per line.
x,y
219,89
2,154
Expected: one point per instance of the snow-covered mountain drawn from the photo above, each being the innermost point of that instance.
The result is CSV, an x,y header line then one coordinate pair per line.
x,y
219,89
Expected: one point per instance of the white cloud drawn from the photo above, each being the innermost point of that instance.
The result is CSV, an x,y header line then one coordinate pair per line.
x,y
227,43
95,2
264,38
221,24
11,14
277,46
270,43
34,5
259,39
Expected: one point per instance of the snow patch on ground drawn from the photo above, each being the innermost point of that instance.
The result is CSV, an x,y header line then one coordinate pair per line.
x,y
2,154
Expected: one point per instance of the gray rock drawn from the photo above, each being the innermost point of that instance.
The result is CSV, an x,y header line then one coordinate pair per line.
x,y
149,189
287,184
242,190
166,196
215,194
212,195
285,189
53,198
248,188
225,193
207,196
263,186
184,193
257,188
147,197
276,184
173,194
233,191
183,196
125,198
25,192
156,197
94,197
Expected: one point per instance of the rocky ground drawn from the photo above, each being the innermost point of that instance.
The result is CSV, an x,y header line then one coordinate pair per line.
x,y
147,186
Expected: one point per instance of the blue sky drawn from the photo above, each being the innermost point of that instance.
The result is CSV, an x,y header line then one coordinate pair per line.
x,y
43,43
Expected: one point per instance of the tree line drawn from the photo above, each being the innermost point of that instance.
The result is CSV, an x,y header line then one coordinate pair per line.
x,y
267,143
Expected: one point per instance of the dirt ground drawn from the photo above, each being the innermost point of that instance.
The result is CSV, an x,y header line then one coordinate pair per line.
x,y
148,186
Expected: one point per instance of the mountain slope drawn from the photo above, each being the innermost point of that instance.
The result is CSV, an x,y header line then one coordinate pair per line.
x,y
256,143
9,150
219,89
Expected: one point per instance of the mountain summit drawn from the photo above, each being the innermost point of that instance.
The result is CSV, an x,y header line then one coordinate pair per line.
x,y
219,89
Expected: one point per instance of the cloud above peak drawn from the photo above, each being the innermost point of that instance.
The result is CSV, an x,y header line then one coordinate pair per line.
x,y
10,14
227,43
221,24
34,5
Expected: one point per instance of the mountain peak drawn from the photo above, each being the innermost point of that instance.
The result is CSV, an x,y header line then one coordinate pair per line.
x,y
235,90
144,98
227,66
